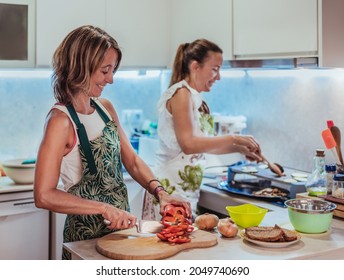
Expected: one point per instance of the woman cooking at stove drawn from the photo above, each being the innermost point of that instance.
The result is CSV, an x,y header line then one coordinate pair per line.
x,y
185,126
84,143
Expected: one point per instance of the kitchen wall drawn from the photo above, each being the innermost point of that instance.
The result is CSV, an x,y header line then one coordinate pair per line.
x,y
286,110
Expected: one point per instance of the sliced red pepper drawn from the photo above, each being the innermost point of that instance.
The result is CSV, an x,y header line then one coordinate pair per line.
x,y
180,211
161,236
179,239
177,226
171,210
172,220
190,229
168,221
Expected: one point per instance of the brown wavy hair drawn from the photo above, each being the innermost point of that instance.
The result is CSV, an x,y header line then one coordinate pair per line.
x,y
76,59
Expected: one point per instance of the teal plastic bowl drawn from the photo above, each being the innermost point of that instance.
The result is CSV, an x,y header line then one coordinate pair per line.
x,y
310,215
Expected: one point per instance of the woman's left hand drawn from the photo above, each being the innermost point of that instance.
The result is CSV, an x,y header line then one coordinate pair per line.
x,y
166,199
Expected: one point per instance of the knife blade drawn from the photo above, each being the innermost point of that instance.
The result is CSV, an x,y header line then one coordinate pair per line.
x,y
144,226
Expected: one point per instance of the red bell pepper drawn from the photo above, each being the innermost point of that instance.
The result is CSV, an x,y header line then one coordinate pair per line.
x,y
177,227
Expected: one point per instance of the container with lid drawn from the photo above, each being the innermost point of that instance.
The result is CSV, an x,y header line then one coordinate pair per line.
x,y
338,186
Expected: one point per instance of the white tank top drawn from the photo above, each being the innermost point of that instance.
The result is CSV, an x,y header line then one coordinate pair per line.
x,y
71,167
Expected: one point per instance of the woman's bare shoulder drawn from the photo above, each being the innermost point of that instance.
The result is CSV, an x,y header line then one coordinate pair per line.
x,y
58,118
109,107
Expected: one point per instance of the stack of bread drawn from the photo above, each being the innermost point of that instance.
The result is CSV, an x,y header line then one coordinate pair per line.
x,y
270,234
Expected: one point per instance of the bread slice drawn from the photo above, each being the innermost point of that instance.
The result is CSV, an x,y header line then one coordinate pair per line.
x,y
267,234
270,234
289,235
259,228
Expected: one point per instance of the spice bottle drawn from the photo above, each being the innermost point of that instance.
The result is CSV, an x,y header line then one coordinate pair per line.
x,y
330,172
338,186
316,183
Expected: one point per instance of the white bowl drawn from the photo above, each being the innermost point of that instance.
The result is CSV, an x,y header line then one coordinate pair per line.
x,y
19,173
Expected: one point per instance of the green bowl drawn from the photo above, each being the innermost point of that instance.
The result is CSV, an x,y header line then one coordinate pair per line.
x,y
246,215
310,215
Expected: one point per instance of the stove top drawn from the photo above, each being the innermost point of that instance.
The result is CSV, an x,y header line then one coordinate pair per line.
x,y
261,183
247,190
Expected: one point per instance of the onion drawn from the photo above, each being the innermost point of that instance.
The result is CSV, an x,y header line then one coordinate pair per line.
x,y
227,227
206,221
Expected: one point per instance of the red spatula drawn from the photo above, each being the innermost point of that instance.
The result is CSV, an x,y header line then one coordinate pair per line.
x,y
330,143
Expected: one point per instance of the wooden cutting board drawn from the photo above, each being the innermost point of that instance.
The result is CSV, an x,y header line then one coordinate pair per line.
x,y
135,247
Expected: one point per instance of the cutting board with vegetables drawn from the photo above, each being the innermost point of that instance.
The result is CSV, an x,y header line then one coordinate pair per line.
x,y
126,246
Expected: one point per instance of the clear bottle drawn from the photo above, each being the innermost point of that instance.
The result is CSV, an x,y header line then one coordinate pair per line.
x,y
330,172
316,183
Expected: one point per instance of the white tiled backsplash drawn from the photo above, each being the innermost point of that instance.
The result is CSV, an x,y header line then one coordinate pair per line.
x,y
286,110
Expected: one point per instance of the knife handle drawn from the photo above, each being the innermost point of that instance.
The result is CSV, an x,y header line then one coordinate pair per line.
x,y
137,225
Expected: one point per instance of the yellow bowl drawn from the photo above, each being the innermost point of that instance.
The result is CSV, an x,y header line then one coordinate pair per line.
x,y
246,215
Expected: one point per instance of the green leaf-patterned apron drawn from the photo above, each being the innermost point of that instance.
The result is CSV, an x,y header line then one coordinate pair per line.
x,y
102,183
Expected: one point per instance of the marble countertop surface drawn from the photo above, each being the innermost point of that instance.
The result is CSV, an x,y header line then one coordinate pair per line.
x,y
8,186
328,245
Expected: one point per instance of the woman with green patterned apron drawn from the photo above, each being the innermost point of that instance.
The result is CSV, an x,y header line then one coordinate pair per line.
x,y
85,146
185,126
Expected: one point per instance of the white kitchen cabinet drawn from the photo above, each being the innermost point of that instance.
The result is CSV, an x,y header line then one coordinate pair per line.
x,y
55,19
141,29
275,28
332,54
194,19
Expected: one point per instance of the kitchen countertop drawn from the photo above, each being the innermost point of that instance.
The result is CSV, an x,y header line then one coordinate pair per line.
x,y
8,186
329,245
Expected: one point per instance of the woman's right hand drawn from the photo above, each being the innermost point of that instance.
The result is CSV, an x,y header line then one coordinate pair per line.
x,y
117,218
249,147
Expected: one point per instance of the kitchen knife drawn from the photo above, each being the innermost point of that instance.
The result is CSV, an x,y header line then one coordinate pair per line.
x,y
144,226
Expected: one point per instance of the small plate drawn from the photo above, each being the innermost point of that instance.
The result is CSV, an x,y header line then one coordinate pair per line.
x,y
249,169
299,175
300,179
290,180
270,244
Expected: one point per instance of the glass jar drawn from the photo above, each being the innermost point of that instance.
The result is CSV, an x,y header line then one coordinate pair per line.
x,y
316,183
338,186
330,172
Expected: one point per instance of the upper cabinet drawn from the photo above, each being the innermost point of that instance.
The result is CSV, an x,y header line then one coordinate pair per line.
x,y
141,29
55,19
194,19
332,43
17,33
150,31
275,28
